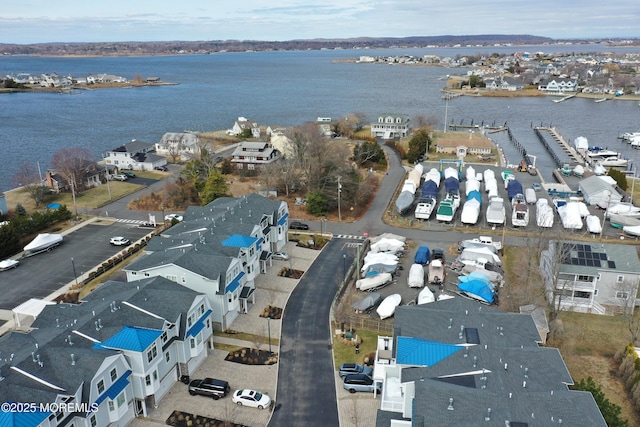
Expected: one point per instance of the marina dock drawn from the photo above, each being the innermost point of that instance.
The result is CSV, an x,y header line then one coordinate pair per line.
x,y
571,152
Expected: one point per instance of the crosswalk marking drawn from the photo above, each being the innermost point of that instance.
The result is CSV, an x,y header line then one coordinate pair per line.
x,y
349,236
131,221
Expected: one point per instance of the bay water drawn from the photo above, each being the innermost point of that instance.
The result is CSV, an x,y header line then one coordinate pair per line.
x,y
275,89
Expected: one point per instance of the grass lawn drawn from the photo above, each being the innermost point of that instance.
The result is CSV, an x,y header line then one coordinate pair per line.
x,y
344,353
88,199
252,338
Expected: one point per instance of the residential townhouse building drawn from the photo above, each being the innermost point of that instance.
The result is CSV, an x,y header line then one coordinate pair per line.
x,y
475,365
134,155
593,278
108,358
219,250
389,126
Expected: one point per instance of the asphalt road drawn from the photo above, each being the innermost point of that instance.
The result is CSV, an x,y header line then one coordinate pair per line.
x,y
306,384
39,275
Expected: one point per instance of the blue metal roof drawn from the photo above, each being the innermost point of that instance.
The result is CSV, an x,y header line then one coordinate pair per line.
x,y
418,352
282,220
199,325
116,388
234,283
22,419
134,339
239,241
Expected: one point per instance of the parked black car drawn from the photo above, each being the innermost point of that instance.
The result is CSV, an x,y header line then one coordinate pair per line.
x,y
209,387
296,225
129,174
161,168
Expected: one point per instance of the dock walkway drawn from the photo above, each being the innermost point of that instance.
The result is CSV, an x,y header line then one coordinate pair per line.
x,y
571,152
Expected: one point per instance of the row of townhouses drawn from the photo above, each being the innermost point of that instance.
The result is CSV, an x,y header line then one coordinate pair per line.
x,y
105,360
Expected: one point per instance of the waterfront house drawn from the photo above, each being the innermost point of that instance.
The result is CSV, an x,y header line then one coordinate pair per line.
x,y
134,155
179,145
591,278
110,357
254,155
390,126
240,125
474,365
559,85
281,142
3,205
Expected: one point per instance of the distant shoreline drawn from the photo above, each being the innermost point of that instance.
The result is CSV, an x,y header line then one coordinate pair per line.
x,y
80,88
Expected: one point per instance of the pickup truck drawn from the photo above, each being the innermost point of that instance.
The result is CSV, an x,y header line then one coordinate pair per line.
x,y
481,242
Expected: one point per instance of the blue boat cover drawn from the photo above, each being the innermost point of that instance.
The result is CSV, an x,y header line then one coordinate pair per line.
x,y
475,195
429,189
477,288
452,185
514,187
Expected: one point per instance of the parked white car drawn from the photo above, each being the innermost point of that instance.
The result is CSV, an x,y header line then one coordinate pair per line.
x,y
171,217
252,398
281,256
120,177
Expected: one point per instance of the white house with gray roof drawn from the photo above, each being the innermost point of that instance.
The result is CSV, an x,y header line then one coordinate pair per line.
x,y
181,145
389,126
588,277
110,356
457,362
134,155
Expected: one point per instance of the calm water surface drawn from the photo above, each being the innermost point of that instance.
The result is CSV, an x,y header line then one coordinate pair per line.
x,y
276,89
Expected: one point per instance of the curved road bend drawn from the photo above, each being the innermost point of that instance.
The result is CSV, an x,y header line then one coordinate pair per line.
x,y
306,391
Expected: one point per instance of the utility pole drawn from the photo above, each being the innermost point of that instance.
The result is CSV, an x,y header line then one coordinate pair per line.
x,y
339,191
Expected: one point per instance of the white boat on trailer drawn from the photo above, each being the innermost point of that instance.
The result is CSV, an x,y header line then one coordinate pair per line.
x,y
43,242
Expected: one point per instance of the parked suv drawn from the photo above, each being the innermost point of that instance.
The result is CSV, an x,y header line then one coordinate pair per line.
x,y
209,387
353,368
129,174
360,382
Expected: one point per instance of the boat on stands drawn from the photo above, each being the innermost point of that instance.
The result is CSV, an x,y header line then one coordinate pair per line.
x,y
388,306
632,230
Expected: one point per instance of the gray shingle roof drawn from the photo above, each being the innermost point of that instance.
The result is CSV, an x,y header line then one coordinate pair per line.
x,y
506,370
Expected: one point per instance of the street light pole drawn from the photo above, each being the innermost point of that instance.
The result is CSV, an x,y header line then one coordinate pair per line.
x,y
269,331
339,191
75,276
344,266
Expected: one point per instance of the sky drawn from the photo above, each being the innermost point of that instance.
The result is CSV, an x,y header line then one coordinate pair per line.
x,y
41,21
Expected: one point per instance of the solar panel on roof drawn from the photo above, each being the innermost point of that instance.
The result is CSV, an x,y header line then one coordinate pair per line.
x,y
582,261
603,256
612,264
589,263
581,254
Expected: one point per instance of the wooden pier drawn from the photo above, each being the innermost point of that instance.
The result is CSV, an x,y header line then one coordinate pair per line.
x,y
573,154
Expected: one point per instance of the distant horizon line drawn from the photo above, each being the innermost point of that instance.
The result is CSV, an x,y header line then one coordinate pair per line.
x,y
339,39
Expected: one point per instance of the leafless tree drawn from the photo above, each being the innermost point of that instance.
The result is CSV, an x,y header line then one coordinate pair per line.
x,y
557,287
74,164
29,179
627,291
351,410
524,283
421,121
